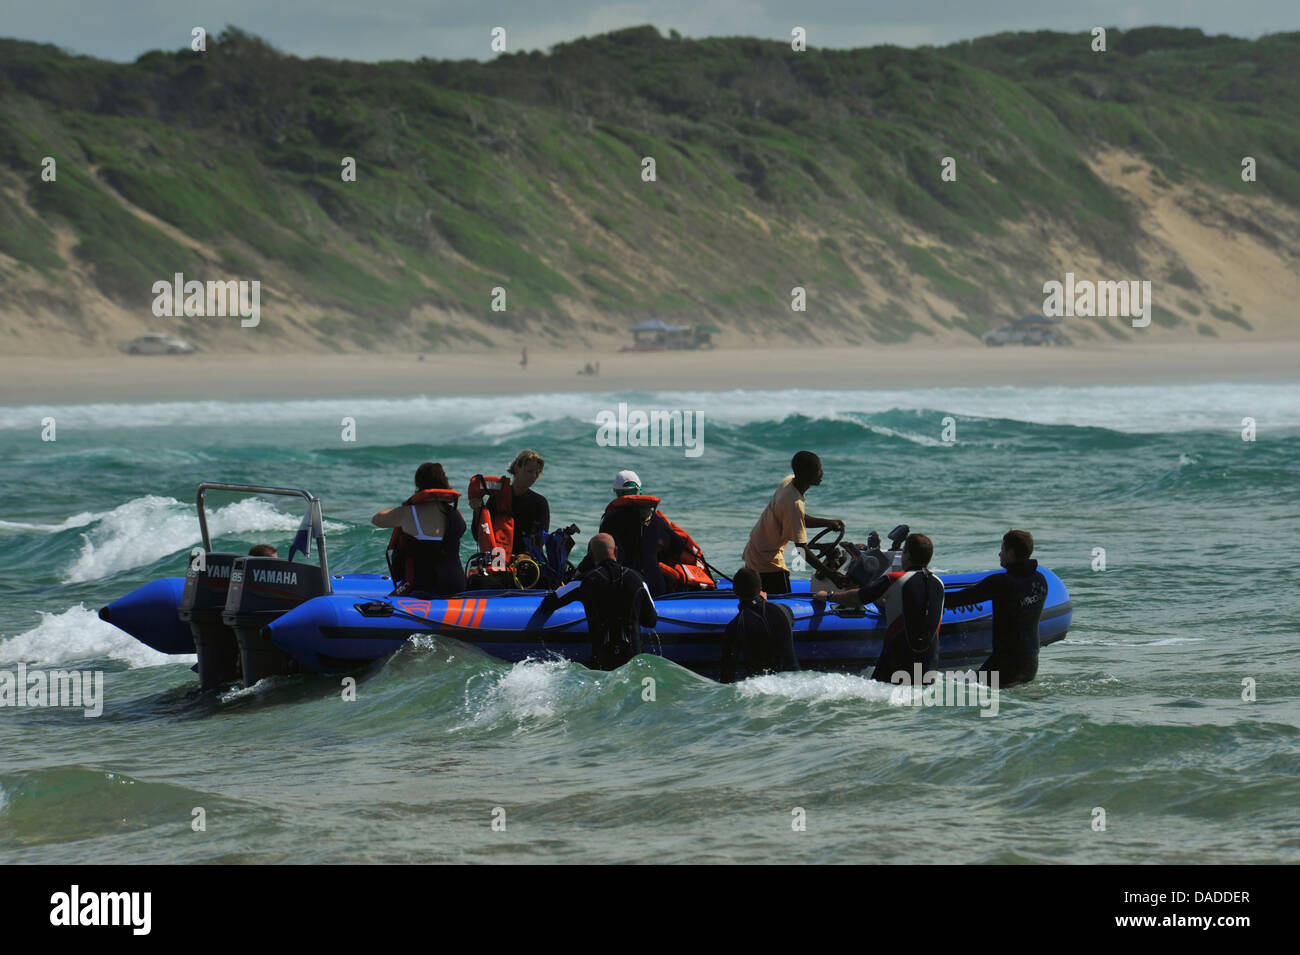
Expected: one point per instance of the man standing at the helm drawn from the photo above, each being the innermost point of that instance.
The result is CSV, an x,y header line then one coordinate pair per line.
x,y
784,520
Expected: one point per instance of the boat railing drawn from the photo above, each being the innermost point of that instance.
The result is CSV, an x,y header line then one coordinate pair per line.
x,y
314,515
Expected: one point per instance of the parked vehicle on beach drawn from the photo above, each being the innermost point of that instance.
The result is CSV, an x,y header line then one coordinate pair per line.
x,y
657,335
1030,330
157,343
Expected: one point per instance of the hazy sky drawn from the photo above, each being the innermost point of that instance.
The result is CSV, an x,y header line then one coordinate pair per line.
x,y
443,29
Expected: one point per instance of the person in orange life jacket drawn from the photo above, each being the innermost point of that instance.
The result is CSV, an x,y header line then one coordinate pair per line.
x,y
1018,597
640,533
531,511
784,520
913,606
427,529
762,632
617,603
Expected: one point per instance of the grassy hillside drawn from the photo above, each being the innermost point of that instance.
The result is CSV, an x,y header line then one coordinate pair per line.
x,y
775,169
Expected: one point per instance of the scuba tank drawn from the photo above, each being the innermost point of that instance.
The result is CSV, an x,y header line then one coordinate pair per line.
x,y
896,538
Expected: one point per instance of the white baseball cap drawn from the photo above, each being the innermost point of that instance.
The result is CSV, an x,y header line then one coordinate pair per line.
x,y
626,482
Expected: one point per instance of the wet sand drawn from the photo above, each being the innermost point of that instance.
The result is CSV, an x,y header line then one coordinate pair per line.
x,y
26,380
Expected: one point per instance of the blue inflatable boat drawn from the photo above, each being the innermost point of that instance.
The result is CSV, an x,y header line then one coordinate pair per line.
x,y
250,617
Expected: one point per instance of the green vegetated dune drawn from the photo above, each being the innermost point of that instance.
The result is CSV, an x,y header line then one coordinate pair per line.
x,y
775,169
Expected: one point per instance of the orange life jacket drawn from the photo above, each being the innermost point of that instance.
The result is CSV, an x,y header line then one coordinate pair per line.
x,y
633,500
686,567
422,497
494,521
404,569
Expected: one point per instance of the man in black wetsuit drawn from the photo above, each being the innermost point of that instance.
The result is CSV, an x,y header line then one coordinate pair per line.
x,y
1018,597
762,632
913,606
617,602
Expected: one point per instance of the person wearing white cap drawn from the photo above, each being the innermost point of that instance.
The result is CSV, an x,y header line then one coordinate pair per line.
x,y
640,533
626,482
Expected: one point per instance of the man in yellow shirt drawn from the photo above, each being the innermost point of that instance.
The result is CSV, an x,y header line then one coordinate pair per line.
x,y
784,520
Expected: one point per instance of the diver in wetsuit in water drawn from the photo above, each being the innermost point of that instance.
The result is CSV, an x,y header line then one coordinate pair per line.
x,y
913,607
1018,597
617,603
761,632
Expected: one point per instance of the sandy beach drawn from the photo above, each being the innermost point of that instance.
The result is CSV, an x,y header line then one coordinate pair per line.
x,y
28,380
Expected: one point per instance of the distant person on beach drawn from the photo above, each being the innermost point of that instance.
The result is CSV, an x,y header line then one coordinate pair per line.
x,y
913,605
617,604
784,520
639,531
1018,596
263,550
762,633
532,512
523,359
425,543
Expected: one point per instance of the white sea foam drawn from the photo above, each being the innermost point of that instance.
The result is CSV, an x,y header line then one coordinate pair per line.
x,y
1163,642
145,529
505,424
262,686
817,687
78,634
459,414
830,687
528,690
921,439
1138,409
77,520
1127,408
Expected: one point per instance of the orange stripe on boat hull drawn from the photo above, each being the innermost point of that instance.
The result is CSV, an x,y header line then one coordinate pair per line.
x,y
464,613
452,612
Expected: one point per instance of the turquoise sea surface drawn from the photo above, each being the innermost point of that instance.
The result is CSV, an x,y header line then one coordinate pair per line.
x,y
1171,711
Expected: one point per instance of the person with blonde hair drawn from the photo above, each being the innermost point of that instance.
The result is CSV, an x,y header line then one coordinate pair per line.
x,y
531,510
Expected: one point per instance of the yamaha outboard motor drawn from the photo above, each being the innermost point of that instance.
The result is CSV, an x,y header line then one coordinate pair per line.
x,y
229,599
261,590
203,602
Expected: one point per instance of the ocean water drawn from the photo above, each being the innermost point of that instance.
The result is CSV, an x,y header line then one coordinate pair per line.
x,y
1138,718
